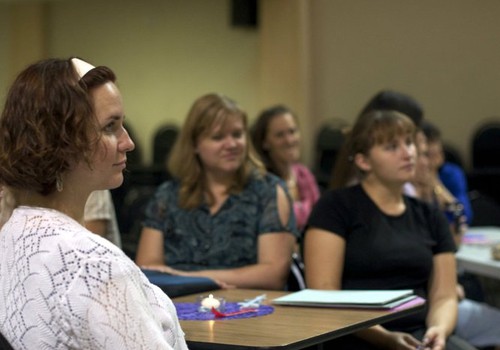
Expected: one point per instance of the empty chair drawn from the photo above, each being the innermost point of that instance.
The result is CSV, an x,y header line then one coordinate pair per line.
x,y
296,280
486,209
163,142
486,146
486,160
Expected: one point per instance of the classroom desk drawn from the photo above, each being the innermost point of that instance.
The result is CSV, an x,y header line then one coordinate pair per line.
x,y
474,255
287,328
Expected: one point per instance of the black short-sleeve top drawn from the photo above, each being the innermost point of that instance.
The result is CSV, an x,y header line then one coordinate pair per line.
x,y
384,251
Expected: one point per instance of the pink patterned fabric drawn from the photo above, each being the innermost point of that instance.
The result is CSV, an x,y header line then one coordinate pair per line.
x,y
308,192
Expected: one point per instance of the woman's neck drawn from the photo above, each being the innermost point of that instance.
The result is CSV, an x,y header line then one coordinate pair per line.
x,y
291,183
218,188
388,198
284,169
64,202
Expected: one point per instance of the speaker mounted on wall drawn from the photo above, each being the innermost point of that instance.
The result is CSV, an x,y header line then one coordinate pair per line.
x,y
244,13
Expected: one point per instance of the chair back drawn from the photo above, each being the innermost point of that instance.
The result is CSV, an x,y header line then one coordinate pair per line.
x,y
486,146
485,208
163,141
328,144
296,280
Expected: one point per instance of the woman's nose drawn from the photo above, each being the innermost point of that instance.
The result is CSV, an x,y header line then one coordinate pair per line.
x,y
409,150
126,143
230,141
291,137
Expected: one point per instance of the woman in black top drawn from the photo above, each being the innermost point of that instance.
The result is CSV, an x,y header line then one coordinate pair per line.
x,y
371,236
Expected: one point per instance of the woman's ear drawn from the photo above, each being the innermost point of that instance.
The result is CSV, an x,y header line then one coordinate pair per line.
x,y
362,162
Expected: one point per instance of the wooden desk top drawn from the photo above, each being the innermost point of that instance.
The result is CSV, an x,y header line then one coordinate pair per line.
x,y
288,327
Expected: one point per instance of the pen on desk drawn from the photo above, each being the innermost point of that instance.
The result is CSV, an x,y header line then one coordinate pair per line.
x,y
255,302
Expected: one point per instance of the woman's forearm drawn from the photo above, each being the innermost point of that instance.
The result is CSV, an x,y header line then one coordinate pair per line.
x,y
443,314
376,335
257,276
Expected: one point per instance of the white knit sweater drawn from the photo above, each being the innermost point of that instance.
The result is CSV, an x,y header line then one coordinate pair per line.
x,y
63,287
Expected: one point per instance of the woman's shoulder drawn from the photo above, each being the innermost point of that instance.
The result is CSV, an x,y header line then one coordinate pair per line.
x,y
451,170
50,229
344,199
264,181
344,193
262,187
169,188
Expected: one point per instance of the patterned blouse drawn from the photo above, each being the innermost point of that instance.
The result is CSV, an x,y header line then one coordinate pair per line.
x,y
196,239
63,287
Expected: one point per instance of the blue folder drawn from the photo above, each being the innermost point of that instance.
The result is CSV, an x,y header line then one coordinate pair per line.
x,y
176,286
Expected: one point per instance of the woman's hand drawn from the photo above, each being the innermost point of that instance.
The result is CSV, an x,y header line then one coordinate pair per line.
x,y
402,341
434,339
460,292
385,339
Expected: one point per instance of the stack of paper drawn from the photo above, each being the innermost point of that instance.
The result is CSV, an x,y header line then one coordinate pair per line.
x,y
372,299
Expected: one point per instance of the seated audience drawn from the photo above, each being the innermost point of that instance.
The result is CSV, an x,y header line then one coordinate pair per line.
x,y
477,323
448,179
222,216
100,217
61,286
276,137
371,236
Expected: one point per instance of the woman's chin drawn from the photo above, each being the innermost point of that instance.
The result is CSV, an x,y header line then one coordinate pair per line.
x,y
116,182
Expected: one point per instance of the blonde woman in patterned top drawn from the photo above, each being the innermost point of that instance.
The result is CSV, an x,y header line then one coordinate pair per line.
x,y
222,216
61,286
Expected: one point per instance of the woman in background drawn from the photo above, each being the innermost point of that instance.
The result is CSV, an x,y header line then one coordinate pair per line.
x,y
276,137
222,216
61,286
371,236
99,216
448,180
478,323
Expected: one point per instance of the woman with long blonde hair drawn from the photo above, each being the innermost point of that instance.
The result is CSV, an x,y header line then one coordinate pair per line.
x,y
222,216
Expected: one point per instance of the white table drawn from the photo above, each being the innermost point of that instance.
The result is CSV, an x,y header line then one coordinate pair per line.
x,y
474,255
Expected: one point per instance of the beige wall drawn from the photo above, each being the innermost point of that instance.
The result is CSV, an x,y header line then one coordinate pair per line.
x,y
165,53
4,44
444,53
324,58
22,39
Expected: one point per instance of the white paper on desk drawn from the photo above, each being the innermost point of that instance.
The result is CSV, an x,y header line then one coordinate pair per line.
x,y
385,299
